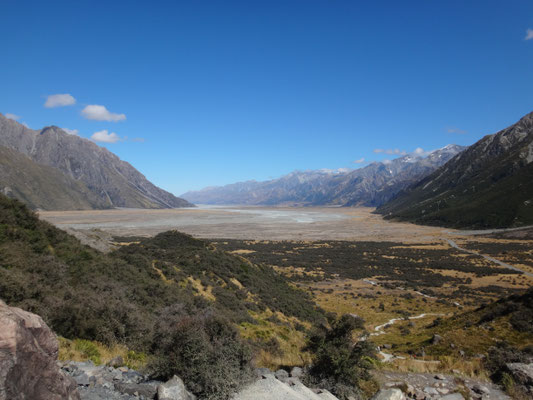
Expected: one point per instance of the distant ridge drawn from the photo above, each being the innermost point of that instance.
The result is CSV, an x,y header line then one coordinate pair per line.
x,y
107,180
369,186
489,185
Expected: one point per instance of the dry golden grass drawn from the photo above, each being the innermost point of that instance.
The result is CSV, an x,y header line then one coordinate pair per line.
x,y
277,326
84,350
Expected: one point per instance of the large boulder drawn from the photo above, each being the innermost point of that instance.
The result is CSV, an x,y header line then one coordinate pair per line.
x,y
28,359
174,389
389,394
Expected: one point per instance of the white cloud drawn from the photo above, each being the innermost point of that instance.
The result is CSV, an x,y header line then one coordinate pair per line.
x,y
105,136
59,100
386,162
26,125
100,113
71,131
419,151
360,161
138,140
529,34
12,116
391,151
456,130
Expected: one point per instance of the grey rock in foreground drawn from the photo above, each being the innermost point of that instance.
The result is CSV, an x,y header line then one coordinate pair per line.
x,y
389,394
28,359
174,389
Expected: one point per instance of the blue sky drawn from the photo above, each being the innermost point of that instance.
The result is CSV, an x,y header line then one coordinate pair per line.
x,y
204,93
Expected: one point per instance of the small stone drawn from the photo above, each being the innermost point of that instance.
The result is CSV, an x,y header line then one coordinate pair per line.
x,y
116,362
443,390
389,394
453,396
430,390
480,389
393,384
296,372
263,372
82,379
436,339
440,377
281,375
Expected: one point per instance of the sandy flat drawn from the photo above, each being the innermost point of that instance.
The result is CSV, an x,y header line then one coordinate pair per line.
x,y
253,223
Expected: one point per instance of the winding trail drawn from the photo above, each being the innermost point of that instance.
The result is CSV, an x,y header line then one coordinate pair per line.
x,y
379,330
492,259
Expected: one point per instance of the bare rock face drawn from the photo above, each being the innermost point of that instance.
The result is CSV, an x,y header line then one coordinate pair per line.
x,y
28,359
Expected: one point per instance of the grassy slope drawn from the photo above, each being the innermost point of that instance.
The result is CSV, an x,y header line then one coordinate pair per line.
x,y
43,187
118,297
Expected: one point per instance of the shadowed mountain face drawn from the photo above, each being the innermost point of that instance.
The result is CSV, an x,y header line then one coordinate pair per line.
x,y
370,186
489,185
110,181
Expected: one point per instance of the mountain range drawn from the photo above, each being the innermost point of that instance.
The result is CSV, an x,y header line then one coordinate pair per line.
x,y
490,184
51,169
372,185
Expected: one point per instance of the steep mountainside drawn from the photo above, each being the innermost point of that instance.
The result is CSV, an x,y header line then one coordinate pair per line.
x,y
42,187
488,185
370,186
113,182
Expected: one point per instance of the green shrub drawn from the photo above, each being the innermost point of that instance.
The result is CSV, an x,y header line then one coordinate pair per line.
x,y
338,364
204,350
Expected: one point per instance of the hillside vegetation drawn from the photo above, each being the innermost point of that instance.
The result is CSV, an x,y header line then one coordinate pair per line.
x,y
486,186
170,296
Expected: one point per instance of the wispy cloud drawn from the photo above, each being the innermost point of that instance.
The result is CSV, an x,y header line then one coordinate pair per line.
x,y
391,151
138,140
59,100
456,130
12,116
529,34
360,161
71,131
419,151
100,113
105,137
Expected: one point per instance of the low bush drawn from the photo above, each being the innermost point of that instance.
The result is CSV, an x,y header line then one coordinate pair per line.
x,y
339,364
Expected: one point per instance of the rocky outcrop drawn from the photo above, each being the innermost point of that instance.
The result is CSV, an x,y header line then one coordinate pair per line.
x,y
28,359
522,374
436,387
101,382
281,385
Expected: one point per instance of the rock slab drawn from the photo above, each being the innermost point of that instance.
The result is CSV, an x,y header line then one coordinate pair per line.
x,y
28,359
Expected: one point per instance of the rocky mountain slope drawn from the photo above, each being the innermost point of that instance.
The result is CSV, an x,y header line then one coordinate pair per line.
x,y
370,186
42,187
112,182
487,185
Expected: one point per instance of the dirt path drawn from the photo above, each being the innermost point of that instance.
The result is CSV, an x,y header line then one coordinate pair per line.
x,y
489,258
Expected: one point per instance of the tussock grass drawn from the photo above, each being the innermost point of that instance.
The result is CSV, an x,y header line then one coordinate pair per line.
x,y
98,353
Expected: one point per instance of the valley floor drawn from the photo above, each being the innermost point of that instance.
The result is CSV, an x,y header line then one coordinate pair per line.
x,y
402,279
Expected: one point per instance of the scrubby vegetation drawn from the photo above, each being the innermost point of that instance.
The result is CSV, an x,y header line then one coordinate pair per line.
x,y
170,285
409,266
339,364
